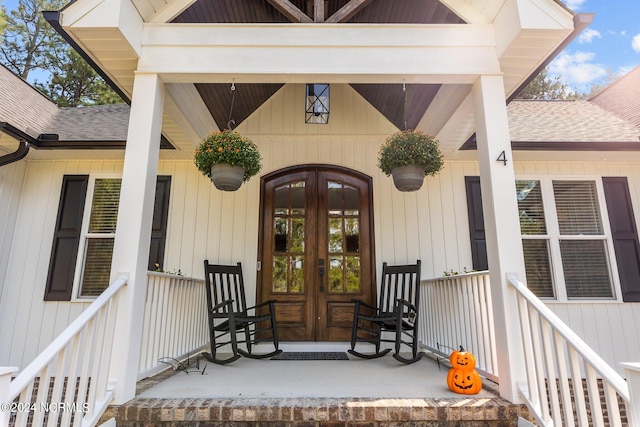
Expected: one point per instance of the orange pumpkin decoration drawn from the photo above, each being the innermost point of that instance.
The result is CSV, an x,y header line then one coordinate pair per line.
x,y
463,377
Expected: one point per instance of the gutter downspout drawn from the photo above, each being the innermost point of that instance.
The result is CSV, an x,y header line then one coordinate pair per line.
x,y
23,149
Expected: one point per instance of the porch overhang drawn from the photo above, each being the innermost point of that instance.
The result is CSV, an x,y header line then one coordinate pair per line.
x,y
512,38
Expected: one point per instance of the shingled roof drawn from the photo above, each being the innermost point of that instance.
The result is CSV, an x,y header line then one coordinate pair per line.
x,y
24,107
622,97
567,121
92,123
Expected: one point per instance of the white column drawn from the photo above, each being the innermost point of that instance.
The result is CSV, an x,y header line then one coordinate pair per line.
x,y
502,227
133,230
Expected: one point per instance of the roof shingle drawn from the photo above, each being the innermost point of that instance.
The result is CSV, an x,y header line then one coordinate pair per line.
x,y
567,121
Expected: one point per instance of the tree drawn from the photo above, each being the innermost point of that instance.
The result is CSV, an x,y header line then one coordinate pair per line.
x,y
30,46
3,19
545,87
602,83
27,37
73,82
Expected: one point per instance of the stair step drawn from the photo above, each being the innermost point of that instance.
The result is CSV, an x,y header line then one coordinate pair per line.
x,y
328,412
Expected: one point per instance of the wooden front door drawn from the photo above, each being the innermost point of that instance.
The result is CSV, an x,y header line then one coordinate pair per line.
x,y
316,250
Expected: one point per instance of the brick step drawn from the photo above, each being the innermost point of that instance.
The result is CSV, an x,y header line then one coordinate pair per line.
x,y
461,411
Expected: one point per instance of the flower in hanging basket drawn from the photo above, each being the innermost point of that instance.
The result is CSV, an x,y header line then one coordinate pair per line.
x,y
410,148
228,147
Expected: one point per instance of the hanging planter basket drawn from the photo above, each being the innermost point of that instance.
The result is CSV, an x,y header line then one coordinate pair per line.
x,y
408,178
226,177
409,156
228,158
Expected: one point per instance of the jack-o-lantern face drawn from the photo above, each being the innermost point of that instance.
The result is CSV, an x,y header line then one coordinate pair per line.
x,y
461,359
464,381
462,377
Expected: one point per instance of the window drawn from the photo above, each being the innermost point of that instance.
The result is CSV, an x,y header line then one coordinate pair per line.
x,y
566,245
85,234
98,237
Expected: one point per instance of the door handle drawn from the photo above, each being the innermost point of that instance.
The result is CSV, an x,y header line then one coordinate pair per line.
x,y
321,273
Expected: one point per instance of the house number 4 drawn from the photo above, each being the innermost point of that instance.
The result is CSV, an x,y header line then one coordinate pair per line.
x,y
502,158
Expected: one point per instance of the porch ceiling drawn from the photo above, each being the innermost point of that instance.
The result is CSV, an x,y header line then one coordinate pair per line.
x,y
113,34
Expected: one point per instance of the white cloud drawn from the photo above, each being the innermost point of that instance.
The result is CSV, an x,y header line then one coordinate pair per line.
x,y
588,35
635,43
574,4
577,70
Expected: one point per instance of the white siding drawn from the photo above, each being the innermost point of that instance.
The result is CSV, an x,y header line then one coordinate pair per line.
x,y
205,223
11,177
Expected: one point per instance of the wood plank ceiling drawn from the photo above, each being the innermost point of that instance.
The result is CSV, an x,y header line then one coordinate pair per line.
x,y
403,111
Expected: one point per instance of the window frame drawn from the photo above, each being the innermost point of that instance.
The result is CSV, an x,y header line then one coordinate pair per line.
x,y
85,236
554,237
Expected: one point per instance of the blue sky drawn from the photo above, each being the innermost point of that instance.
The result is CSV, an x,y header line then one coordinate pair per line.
x,y
611,44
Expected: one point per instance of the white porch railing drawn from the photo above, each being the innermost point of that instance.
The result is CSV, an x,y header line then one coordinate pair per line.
x,y
556,361
66,384
175,321
457,311
584,390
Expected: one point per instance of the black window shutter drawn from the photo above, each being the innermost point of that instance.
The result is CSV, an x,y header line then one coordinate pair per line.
x,y
625,235
159,226
66,238
476,223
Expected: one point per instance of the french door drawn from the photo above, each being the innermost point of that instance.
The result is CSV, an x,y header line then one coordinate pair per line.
x,y
316,251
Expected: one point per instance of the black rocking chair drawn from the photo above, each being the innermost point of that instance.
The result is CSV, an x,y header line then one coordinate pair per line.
x,y
397,312
229,316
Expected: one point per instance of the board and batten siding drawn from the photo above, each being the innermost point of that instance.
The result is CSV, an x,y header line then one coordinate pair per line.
x,y
11,178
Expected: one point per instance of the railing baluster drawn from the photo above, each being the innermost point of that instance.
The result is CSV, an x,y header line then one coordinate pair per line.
x,y
563,378
534,324
597,419
69,393
94,365
613,408
550,370
578,390
525,329
56,385
25,397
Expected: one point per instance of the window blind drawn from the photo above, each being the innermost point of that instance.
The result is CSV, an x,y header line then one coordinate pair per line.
x,y
97,266
530,208
586,271
577,208
538,267
99,249
104,210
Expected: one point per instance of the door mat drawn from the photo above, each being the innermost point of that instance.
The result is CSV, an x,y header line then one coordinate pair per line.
x,y
313,355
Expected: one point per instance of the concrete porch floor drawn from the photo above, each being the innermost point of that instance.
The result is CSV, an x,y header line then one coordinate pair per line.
x,y
384,377
313,393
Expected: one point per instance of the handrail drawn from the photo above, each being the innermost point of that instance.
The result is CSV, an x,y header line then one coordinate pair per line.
x,y
72,370
552,354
